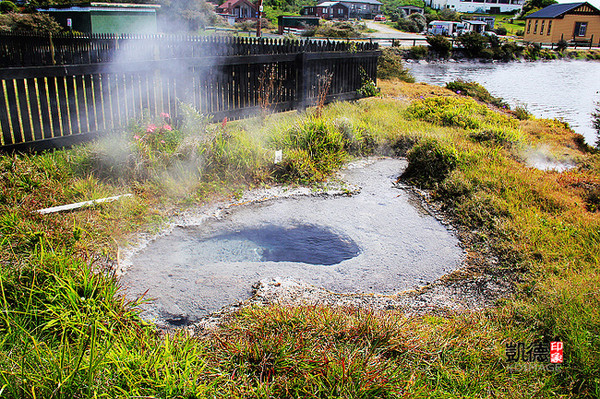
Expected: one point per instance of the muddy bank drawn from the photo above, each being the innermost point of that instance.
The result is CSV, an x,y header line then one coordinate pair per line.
x,y
374,243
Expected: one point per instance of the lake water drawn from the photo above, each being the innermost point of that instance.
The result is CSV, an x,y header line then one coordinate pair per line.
x,y
566,90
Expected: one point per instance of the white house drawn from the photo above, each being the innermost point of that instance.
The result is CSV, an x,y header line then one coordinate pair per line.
x,y
479,6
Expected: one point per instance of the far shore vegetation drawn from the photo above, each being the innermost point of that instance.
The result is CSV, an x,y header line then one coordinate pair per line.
x,y
67,332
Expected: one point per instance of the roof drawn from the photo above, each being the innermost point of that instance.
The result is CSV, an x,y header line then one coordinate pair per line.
x,y
362,2
230,3
101,6
474,22
330,4
558,10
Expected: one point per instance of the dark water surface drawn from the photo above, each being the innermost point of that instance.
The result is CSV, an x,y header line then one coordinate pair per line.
x,y
377,241
559,89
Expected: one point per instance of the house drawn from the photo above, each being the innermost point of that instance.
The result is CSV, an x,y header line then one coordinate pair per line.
x,y
445,28
240,9
327,10
105,17
294,24
356,8
490,21
408,10
571,22
474,26
362,8
478,6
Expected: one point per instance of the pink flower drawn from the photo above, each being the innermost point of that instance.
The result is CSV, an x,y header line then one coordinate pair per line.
x,y
164,115
162,142
224,123
136,137
457,91
167,127
151,128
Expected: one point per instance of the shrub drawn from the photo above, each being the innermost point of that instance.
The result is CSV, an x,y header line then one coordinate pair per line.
x,y
419,20
407,25
419,52
390,65
533,51
475,90
561,45
501,31
340,29
520,33
313,149
473,43
497,136
429,162
8,6
439,45
41,23
522,113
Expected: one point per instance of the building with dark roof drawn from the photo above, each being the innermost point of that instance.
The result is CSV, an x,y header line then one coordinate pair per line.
x,y
327,10
241,10
355,8
95,17
571,22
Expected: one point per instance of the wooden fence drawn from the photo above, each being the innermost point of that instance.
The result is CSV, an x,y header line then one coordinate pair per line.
x,y
97,89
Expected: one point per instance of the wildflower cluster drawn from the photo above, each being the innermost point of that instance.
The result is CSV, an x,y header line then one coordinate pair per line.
x,y
156,136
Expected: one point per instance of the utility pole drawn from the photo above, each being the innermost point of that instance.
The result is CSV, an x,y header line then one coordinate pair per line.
x,y
259,26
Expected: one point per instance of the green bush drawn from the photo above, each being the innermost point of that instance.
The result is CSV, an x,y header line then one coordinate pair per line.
x,y
429,162
8,6
407,25
561,45
501,30
390,65
419,52
475,90
473,43
522,113
339,29
313,149
439,45
41,23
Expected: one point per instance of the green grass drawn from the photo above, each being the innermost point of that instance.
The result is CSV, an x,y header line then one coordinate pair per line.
x,y
65,331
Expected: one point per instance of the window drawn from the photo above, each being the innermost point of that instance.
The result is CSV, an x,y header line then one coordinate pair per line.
x,y
542,28
580,28
529,26
535,27
549,27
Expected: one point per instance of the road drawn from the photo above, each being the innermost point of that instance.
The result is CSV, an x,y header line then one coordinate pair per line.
x,y
387,32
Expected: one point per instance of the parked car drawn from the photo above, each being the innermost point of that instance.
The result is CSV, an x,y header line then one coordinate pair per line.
x,y
380,18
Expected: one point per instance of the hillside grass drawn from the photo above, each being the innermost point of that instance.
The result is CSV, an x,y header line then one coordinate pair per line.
x,y
66,331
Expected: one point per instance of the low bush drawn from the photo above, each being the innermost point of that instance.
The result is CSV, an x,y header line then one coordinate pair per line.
x,y
473,43
440,45
390,65
313,148
501,30
429,162
522,113
338,29
457,112
419,52
475,90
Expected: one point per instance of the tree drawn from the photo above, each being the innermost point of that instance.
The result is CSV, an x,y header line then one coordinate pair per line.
x,y
536,4
42,23
8,6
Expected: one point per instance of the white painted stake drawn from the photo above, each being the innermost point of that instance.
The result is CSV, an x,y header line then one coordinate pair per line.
x,y
278,156
80,204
